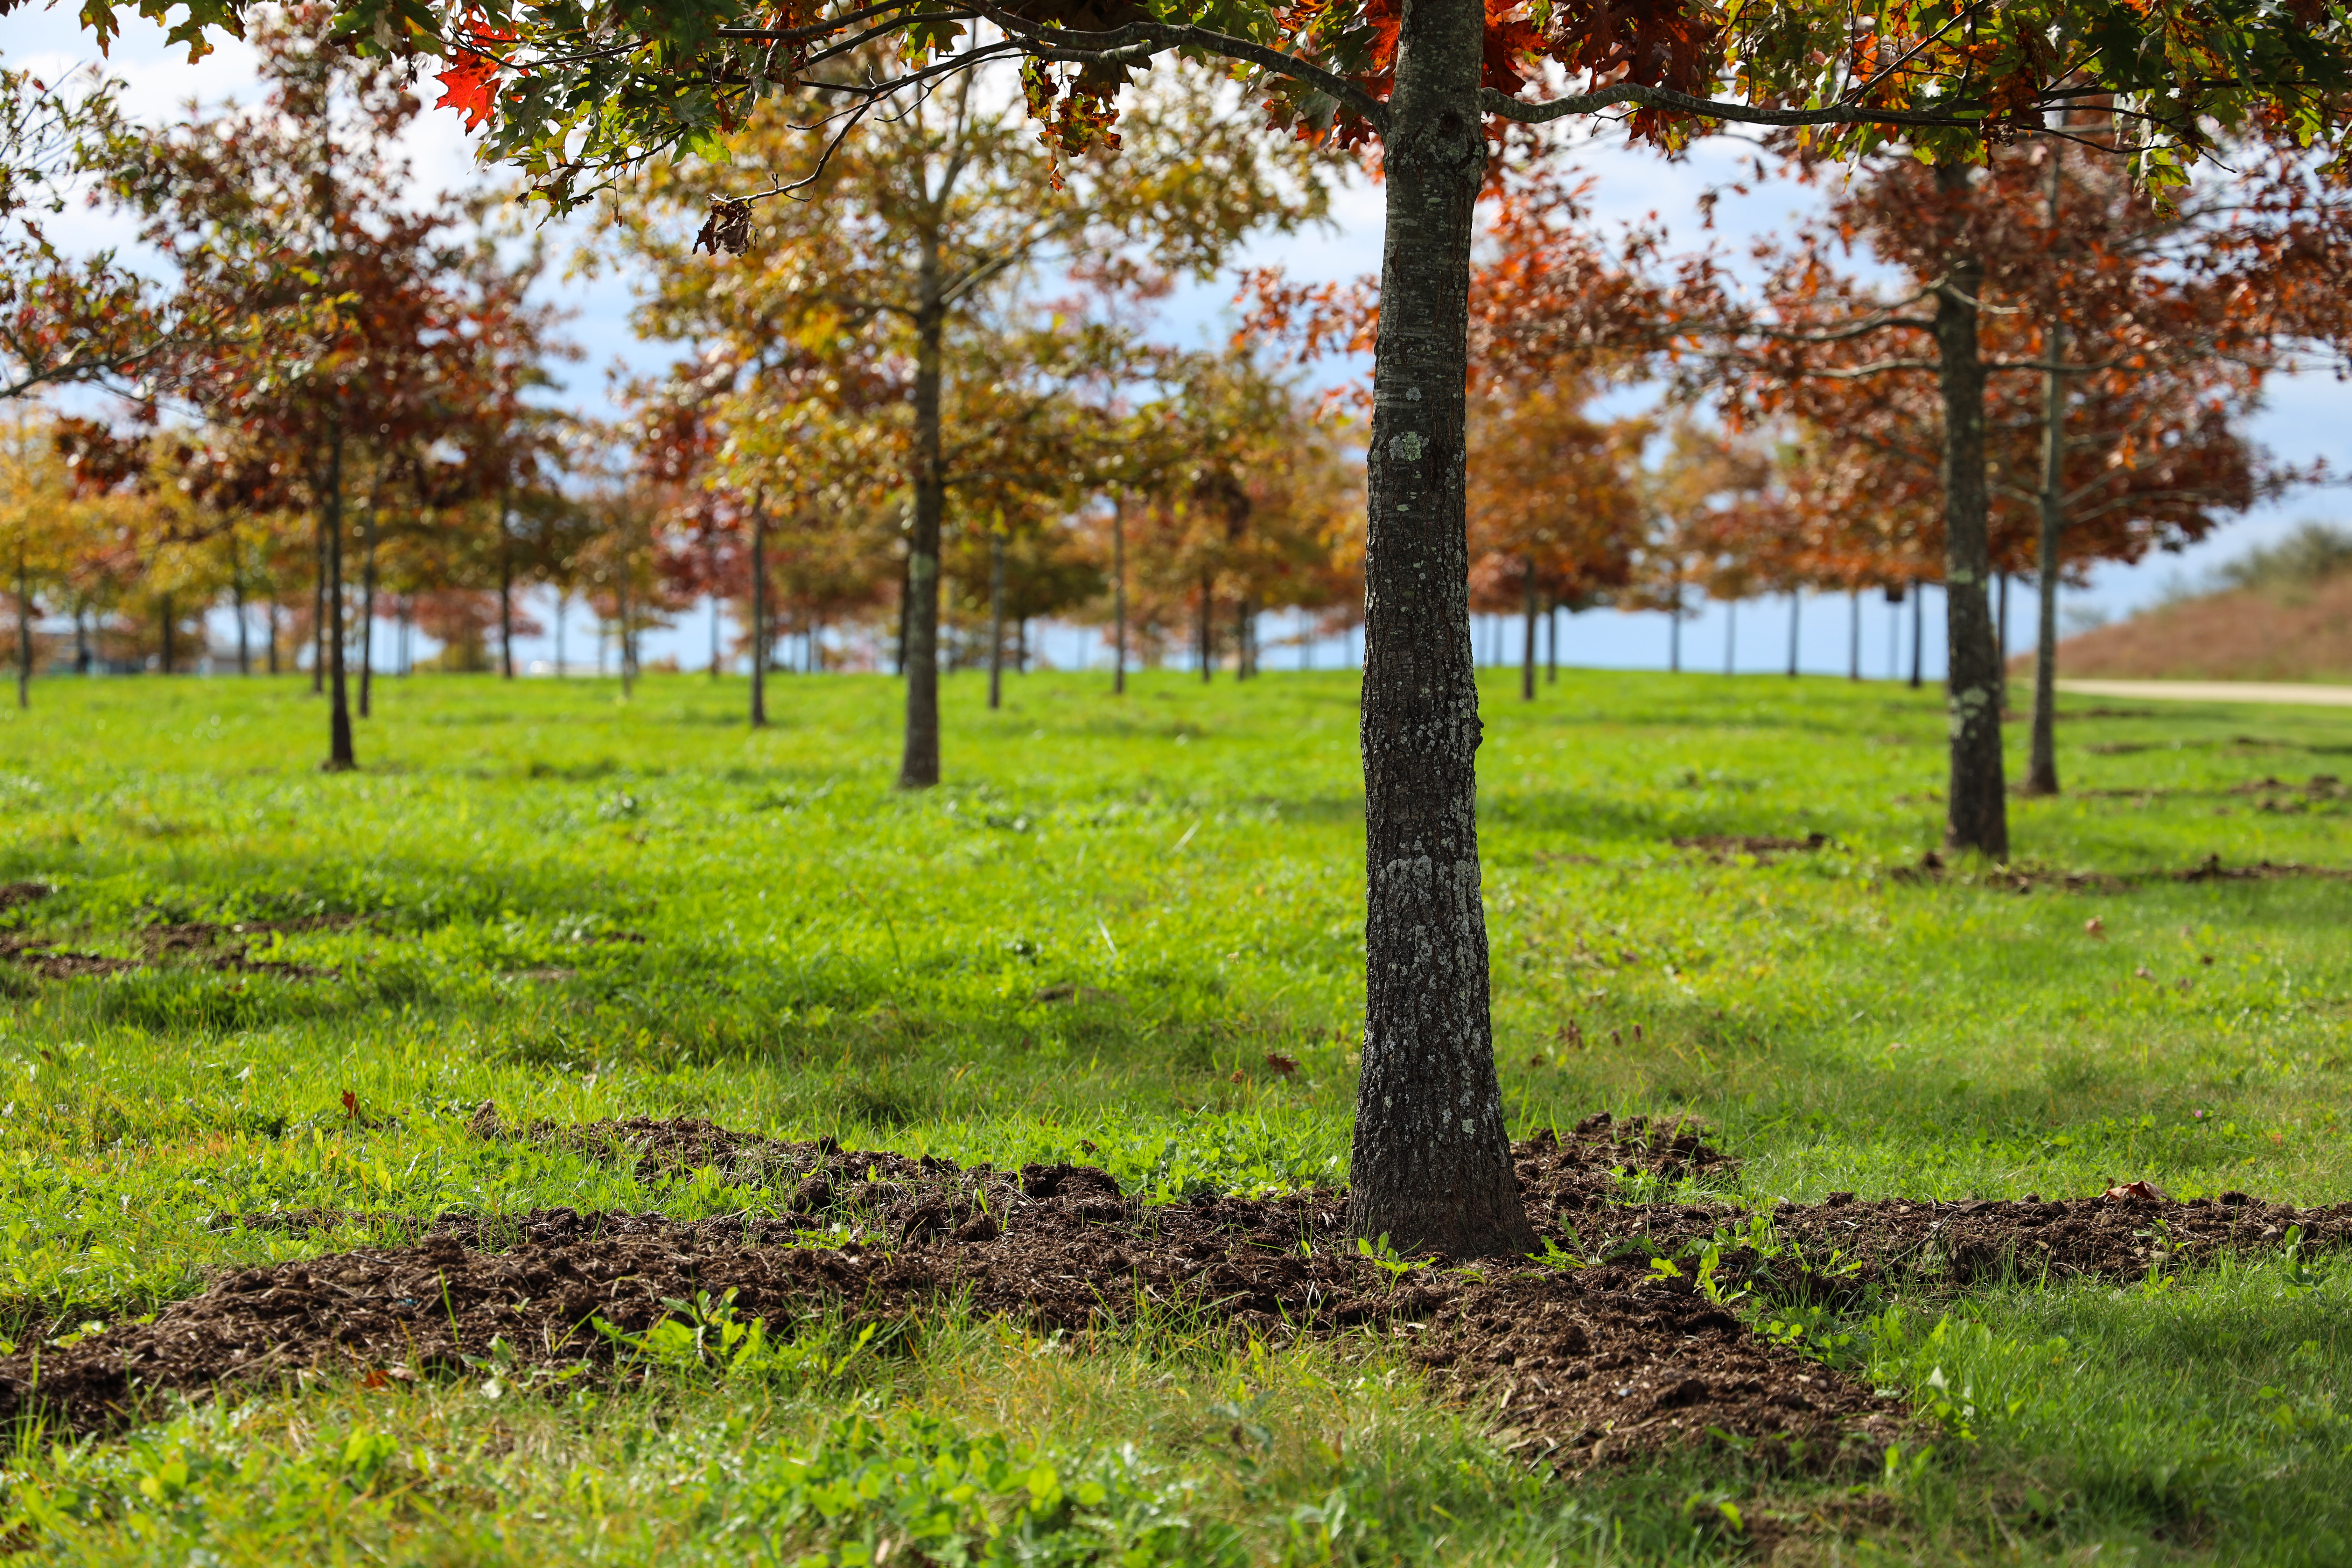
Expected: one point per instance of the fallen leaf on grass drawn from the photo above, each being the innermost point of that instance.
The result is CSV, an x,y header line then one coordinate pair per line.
x,y
1282,1065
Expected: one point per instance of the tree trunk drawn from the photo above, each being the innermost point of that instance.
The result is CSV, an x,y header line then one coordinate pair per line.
x,y
562,608
1245,639
1918,632
629,638
996,621
920,767
2042,765
1528,654
167,650
1730,635
1977,803
81,643
318,619
23,630
1204,633
1853,638
367,610
236,596
1551,645
1432,1158
1796,611
1021,646
331,523
1119,598
711,567
269,625
1675,633
506,593
760,618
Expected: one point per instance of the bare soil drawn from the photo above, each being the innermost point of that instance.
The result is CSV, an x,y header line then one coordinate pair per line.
x,y
197,943
1722,847
2027,878
1579,1362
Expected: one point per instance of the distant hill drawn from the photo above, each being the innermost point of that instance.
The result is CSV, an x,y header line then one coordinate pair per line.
x,y
2281,613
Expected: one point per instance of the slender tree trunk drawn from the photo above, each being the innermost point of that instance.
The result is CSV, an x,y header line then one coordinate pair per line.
x,y
81,643
1551,645
1119,598
920,767
237,598
1918,632
318,619
759,619
1730,635
711,567
1853,638
1796,611
562,608
24,630
1432,1160
404,654
1675,633
1021,646
1977,803
1245,638
269,625
168,651
2041,766
629,638
1894,637
339,758
1528,654
367,608
506,593
996,621
1205,633
2001,638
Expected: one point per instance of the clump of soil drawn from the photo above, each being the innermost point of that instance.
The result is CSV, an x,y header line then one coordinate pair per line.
x,y
224,948
2029,877
1581,1363
16,894
1724,848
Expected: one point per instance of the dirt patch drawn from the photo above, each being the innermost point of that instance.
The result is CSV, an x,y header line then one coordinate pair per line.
x,y
193,944
1724,848
1592,1360
16,894
2029,877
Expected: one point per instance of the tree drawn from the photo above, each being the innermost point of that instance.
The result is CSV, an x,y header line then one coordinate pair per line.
x,y
921,227
574,96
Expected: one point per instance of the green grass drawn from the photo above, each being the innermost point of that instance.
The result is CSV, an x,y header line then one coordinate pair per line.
x,y
1095,935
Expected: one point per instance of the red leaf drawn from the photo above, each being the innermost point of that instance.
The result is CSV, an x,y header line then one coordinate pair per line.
x,y
2130,1190
472,87
351,1105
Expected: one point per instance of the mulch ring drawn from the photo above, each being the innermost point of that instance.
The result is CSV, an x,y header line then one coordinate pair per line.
x,y
2028,878
1578,1364
225,948
1723,848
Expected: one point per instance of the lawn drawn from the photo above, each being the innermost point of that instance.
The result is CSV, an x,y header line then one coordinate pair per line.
x,y
1127,933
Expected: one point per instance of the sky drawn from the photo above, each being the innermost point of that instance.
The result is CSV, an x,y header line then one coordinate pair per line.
x,y
2306,417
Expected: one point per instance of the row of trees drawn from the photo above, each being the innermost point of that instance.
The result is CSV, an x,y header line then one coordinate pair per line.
x,y
867,320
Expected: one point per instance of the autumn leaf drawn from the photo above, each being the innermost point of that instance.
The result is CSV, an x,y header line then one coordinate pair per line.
x,y
471,88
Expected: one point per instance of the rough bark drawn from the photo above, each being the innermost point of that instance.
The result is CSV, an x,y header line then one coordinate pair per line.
x,y
1118,599
1432,1167
1528,654
996,621
339,758
1975,801
920,766
759,618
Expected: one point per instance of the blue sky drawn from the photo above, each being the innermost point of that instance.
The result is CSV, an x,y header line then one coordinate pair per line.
x,y
2306,417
